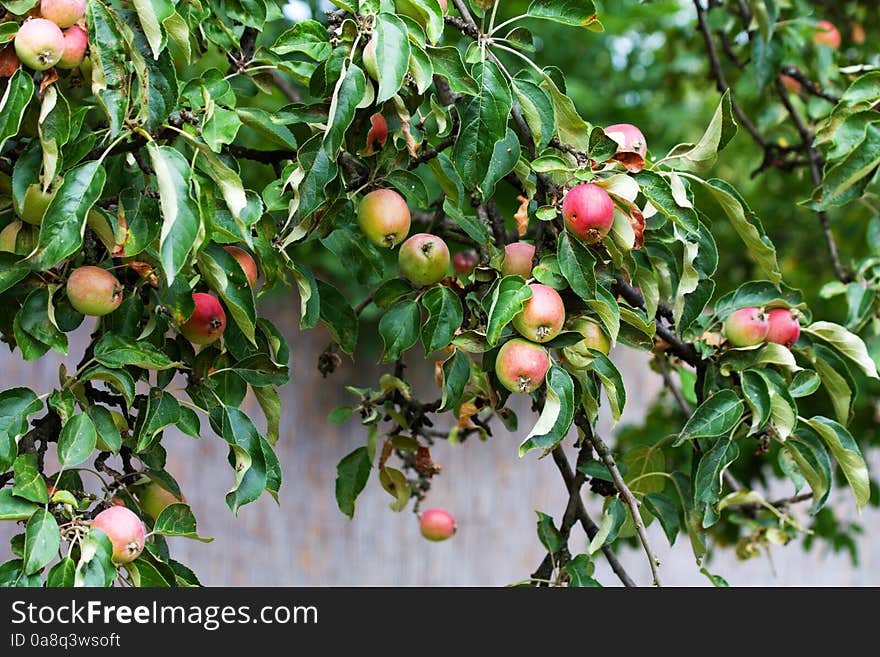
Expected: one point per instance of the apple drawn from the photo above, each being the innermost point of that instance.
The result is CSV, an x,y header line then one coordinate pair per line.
x,y
437,524
521,366
424,259
542,315
784,327
245,261
746,327
39,44
207,322
588,212
384,217
76,42
518,258
125,531
63,13
629,138
94,291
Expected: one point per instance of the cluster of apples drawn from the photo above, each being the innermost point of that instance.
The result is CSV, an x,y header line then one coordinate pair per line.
x,y
95,291
752,326
54,38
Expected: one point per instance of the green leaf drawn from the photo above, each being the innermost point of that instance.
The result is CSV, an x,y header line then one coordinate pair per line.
x,y
783,410
483,124
570,127
338,315
115,351
447,64
352,473
707,481
747,226
119,379
503,302
180,215
16,406
444,318
62,574
611,380
64,222
13,104
717,416
41,541
145,575
162,411
308,37
427,13
28,482
804,383
809,454
392,54
835,376
757,397
456,374
151,14
15,508
246,457
109,58
557,415
77,440
580,570
95,566
657,190
848,344
665,510
505,155
578,265
178,520
227,181
640,463
347,95
399,328
577,13
537,109
847,454
549,536
702,155
845,180
613,518
395,484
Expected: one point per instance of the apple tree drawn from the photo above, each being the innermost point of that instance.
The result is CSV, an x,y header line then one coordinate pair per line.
x,y
416,177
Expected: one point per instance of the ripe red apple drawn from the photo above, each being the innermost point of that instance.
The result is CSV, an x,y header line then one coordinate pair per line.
x,y
245,261
746,327
370,64
39,44
94,291
628,137
542,315
518,258
9,63
384,217
125,530
437,524
521,365
784,329
34,204
588,212
154,499
424,259
63,13
377,134
791,84
828,35
463,262
76,42
207,322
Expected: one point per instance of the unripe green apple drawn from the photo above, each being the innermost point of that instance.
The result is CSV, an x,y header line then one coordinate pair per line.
x,y
63,13
245,261
746,327
784,327
94,291
154,499
521,366
76,42
34,204
39,44
542,315
125,530
384,217
518,258
18,238
588,212
578,355
424,259
370,64
437,524
207,322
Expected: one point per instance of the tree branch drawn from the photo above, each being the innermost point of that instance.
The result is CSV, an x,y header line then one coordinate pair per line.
x,y
628,498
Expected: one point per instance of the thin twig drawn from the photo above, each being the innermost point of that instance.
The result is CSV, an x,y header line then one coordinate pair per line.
x,y
628,498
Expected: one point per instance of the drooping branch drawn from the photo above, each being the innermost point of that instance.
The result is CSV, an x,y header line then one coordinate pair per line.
x,y
628,498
